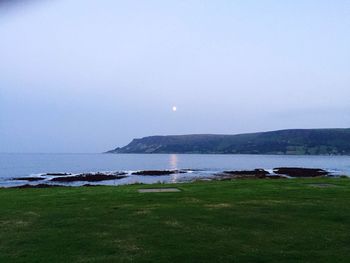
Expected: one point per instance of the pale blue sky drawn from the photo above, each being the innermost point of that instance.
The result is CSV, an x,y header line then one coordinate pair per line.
x,y
87,76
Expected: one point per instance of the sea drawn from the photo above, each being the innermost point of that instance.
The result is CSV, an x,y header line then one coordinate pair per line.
x,y
197,166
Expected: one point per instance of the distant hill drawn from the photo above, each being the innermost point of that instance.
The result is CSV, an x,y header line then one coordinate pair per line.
x,y
298,141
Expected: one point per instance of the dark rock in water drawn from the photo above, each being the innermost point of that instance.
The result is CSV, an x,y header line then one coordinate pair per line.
x,y
158,172
257,173
300,172
30,179
58,174
36,186
90,177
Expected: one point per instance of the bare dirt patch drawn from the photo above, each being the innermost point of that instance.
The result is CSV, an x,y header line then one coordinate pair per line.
x,y
14,223
127,245
192,200
159,190
221,205
323,185
173,223
143,212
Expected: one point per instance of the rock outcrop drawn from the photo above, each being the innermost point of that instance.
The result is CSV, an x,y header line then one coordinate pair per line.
x,y
300,172
90,177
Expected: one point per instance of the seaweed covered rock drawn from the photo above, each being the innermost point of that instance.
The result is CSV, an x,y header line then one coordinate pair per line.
x,y
36,186
257,173
30,179
89,177
58,174
158,172
300,172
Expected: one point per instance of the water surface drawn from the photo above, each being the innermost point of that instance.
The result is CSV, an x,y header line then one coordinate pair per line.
x,y
19,165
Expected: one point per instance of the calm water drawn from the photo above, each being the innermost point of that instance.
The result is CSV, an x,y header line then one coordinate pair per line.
x,y
19,165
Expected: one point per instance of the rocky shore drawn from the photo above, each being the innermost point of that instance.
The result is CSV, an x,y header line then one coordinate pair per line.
x,y
182,175
89,177
278,173
159,172
300,172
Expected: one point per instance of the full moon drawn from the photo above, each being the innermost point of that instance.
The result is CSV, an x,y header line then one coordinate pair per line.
x,y
174,108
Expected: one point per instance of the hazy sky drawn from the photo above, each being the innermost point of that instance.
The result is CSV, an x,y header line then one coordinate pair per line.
x,y
87,76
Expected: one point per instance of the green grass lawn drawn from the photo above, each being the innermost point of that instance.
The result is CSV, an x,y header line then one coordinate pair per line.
x,y
231,221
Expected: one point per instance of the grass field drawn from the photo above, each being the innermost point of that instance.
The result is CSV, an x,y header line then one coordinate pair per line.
x,y
231,221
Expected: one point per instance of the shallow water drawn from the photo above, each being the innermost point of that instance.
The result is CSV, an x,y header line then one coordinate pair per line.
x,y
203,165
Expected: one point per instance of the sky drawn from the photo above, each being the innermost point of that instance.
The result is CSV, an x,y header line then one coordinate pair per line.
x,y
88,76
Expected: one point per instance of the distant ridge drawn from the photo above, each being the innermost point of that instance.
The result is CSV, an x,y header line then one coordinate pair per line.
x,y
293,142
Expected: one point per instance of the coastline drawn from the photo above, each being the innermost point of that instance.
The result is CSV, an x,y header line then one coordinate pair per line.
x,y
163,176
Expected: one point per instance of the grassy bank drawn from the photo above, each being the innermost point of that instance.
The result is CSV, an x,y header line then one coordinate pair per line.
x,y
232,221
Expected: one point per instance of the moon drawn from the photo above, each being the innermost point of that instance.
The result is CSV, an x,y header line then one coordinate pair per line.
x,y
174,108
